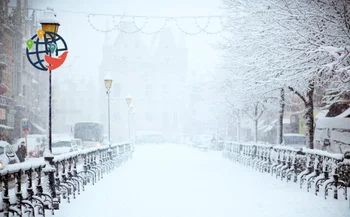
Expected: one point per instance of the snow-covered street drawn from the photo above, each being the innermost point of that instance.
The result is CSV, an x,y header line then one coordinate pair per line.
x,y
176,181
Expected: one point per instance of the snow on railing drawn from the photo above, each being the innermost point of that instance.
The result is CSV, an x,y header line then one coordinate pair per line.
x,y
46,181
323,153
13,168
286,148
316,168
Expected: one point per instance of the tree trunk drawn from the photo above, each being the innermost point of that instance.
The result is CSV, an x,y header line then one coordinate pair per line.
x,y
227,129
239,126
280,120
256,123
309,115
256,131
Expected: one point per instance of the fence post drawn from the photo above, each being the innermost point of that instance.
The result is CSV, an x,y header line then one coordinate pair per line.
x,y
50,173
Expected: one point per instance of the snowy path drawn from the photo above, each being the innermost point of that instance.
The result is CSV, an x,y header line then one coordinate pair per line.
x,y
175,181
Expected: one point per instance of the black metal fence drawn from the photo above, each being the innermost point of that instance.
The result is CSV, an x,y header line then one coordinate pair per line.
x,y
318,170
31,188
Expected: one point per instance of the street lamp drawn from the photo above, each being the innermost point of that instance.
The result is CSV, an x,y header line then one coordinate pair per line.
x,y
49,23
128,102
108,84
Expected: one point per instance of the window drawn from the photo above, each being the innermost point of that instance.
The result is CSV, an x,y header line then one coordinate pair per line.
x,y
62,144
24,91
148,90
148,116
24,61
165,120
165,89
175,119
9,151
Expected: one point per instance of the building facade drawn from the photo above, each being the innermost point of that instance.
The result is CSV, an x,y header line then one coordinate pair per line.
x,y
74,100
154,75
22,88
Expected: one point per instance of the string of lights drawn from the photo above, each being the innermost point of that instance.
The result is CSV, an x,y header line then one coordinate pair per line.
x,y
166,21
141,29
159,30
208,22
99,30
138,29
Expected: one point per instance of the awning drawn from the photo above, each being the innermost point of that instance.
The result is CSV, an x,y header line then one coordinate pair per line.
x,y
6,127
38,127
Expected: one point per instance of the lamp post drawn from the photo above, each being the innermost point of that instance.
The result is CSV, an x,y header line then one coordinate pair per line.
x,y
133,124
131,110
49,23
128,102
108,84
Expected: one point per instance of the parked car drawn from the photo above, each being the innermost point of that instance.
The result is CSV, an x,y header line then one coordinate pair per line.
x,y
150,138
78,143
203,142
7,155
332,132
294,140
63,145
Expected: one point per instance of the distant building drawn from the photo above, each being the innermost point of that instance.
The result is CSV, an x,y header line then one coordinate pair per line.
x,y
154,75
74,100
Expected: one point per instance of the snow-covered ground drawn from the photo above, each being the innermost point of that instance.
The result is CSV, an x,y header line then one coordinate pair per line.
x,y
176,181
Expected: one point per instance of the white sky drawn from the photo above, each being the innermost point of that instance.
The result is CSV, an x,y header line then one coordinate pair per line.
x,y
86,43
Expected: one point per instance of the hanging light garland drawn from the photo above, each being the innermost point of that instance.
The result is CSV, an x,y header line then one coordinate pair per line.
x,y
138,29
159,30
167,20
117,25
100,30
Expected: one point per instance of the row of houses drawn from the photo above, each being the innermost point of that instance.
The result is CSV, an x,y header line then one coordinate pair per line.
x,y
23,90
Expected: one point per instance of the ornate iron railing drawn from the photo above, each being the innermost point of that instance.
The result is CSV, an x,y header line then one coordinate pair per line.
x,y
319,170
32,188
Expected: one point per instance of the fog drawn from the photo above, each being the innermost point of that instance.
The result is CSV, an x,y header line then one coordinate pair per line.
x,y
174,108
169,107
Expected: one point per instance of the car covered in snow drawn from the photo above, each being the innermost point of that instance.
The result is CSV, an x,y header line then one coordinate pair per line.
x,y
147,137
294,140
62,145
78,143
7,155
332,132
203,142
